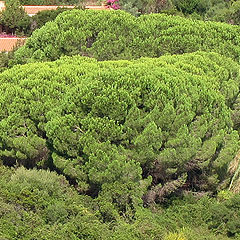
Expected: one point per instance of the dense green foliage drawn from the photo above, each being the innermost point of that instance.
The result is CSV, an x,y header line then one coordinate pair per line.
x,y
118,35
124,130
125,133
14,18
41,205
123,149
41,18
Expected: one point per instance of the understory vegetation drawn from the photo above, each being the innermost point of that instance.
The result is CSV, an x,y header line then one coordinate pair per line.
x,y
118,127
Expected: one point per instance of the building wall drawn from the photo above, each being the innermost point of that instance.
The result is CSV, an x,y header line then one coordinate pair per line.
x,y
32,10
7,44
2,5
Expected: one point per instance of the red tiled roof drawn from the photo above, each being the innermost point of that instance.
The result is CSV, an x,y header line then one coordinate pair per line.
x,y
35,9
7,44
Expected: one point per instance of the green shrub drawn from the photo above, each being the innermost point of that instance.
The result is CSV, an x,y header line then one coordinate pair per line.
x,y
138,7
42,17
219,12
38,204
234,12
187,6
14,19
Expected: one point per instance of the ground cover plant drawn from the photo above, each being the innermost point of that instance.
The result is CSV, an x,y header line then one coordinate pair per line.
x,y
126,135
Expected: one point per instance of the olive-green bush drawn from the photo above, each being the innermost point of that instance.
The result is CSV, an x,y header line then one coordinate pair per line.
x,y
39,204
112,35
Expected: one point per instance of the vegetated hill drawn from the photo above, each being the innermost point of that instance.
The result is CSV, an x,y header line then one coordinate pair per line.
x,y
118,35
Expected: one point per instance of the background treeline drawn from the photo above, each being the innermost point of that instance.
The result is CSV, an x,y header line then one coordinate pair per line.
x,y
49,2
16,21
209,10
216,10
128,136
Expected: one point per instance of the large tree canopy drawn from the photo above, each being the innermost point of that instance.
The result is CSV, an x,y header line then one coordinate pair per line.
x,y
118,35
117,128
